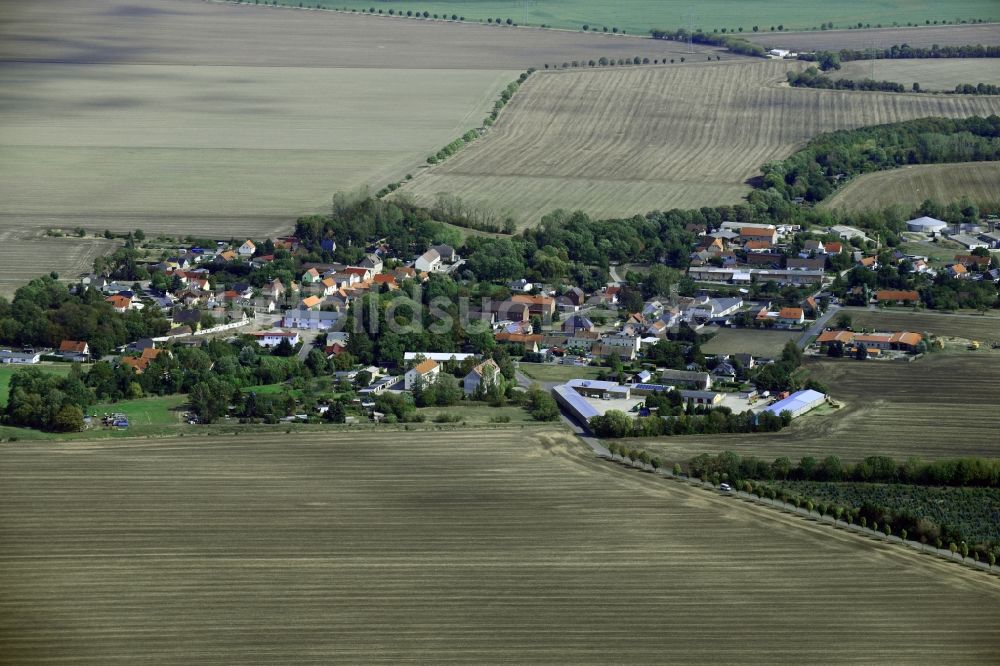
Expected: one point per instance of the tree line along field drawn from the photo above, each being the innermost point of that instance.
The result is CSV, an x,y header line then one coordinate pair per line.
x,y
940,406
441,547
617,142
930,73
639,16
911,186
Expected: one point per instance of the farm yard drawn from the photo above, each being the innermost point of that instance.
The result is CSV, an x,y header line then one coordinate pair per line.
x,y
930,73
766,343
969,326
940,406
447,547
639,16
25,253
910,186
627,141
924,36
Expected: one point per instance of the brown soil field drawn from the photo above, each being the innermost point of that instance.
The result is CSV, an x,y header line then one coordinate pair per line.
x,y
970,326
923,37
911,186
193,32
940,406
627,141
442,547
26,254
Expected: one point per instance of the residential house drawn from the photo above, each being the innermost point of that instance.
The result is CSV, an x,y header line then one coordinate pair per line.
x,y
811,245
757,246
543,306
715,307
142,362
748,233
485,375
446,253
273,289
765,260
572,300
958,271
602,350
970,260
310,320
576,323
806,264
247,250
426,372
363,274
791,316
521,285
897,297
13,357
226,256
428,262
274,338
510,311
311,303
385,279
74,350
119,303
686,378
372,262
869,263
529,342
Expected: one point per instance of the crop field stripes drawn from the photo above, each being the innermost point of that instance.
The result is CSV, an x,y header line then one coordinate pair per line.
x,y
440,547
627,141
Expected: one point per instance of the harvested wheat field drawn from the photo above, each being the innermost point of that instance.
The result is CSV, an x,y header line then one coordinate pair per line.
x,y
441,547
967,325
227,120
911,186
930,73
628,141
939,406
26,254
924,36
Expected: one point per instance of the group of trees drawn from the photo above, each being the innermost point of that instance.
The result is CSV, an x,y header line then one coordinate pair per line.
x,y
700,421
47,401
814,172
44,312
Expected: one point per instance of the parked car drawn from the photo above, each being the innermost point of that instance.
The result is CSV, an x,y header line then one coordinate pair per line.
x,y
725,487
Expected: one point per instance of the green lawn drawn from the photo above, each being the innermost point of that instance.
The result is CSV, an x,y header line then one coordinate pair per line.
x,y
7,371
555,372
639,16
158,411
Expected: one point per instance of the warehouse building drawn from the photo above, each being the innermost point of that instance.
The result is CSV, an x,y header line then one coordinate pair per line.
x,y
798,403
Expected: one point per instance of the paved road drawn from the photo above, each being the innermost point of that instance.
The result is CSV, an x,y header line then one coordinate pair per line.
x,y
817,327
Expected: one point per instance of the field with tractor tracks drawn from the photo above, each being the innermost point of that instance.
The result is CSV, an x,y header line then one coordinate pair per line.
x,y
619,142
910,186
516,547
939,406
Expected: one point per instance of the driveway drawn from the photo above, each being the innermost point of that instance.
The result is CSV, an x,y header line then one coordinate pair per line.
x,y
817,327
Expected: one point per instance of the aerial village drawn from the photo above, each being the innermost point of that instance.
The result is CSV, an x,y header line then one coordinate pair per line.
x,y
613,349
